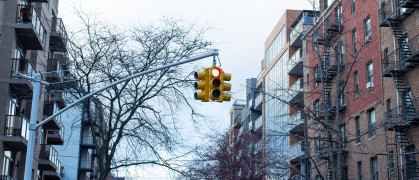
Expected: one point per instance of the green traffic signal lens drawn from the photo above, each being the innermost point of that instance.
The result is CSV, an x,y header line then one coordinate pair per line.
x,y
216,93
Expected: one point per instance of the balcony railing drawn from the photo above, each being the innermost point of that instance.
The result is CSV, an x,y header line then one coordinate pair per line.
x,y
22,66
258,147
299,30
399,61
250,125
17,126
333,22
295,92
403,115
295,63
295,120
58,35
6,177
393,11
296,151
49,153
86,163
258,101
26,14
258,123
55,70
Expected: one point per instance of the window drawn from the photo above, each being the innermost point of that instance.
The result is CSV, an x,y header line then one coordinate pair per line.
x,y
308,81
367,29
343,135
354,41
371,122
318,145
359,167
374,168
8,163
345,173
388,106
370,79
356,83
411,162
386,60
342,102
353,6
391,163
307,47
317,108
315,76
358,130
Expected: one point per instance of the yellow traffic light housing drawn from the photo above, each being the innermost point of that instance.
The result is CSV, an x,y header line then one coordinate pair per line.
x,y
225,96
202,95
215,83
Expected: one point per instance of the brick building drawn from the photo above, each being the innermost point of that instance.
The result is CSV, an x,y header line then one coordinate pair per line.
x,y
360,102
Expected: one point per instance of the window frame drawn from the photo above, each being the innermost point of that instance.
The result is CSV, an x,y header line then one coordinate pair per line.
x,y
354,41
367,29
370,73
359,169
374,168
353,6
371,123
357,130
356,83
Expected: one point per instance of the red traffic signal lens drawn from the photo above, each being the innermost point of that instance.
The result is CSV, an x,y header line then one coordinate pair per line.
x,y
216,72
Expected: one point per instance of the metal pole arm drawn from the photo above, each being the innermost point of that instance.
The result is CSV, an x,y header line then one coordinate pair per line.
x,y
213,53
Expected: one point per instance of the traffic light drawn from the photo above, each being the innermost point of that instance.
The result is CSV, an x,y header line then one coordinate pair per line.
x,y
202,95
225,96
218,86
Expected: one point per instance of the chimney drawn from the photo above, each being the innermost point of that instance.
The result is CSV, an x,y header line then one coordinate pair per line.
x,y
323,5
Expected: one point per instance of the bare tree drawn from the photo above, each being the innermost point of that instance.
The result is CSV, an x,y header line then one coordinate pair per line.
x,y
138,118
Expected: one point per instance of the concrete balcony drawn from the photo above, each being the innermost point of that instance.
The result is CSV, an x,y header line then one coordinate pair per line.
x,y
295,63
296,122
29,29
258,101
22,87
87,142
296,152
58,41
299,29
48,158
86,164
54,175
58,97
55,137
50,108
258,124
16,132
55,70
258,147
296,92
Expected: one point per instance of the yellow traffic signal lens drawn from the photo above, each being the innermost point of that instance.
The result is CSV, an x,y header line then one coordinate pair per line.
x,y
216,82
216,72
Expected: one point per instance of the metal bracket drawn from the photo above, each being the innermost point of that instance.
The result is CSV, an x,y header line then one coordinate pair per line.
x,y
32,126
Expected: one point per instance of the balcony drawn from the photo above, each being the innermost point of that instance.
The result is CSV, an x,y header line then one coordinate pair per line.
x,y
50,108
296,92
299,29
399,62
55,70
20,85
296,122
87,142
258,147
258,101
251,125
295,63
403,116
296,152
55,137
86,164
54,175
258,124
48,158
389,13
58,97
6,177
16,132
333,23
29,28
58,41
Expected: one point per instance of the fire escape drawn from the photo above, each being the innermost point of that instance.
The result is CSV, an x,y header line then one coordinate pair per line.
x,y
396,65
331,54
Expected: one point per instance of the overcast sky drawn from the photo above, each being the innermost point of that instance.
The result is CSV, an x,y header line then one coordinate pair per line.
x,y
240,28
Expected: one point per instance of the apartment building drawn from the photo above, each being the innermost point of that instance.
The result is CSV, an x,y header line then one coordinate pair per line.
x,y
399,47
33,40
360,99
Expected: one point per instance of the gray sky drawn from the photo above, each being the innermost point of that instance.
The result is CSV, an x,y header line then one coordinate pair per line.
x,y
240,28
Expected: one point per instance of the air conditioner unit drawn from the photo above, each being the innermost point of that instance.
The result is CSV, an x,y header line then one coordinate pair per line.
x,y
370,85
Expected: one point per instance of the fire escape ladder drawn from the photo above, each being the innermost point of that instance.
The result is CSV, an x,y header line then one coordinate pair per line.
x,y
401,38
391,147
407,104
412,167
